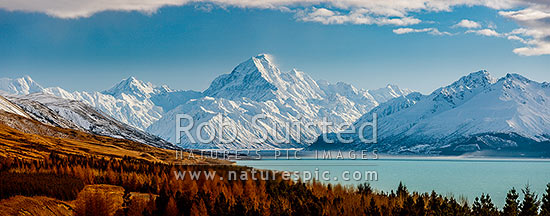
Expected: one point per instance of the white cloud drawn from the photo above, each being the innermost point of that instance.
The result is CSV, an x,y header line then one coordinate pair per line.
x,y
395,8
362,17
86,8
485,32
539,49
514,37
468,24
533,15
526,15
432,31
536,32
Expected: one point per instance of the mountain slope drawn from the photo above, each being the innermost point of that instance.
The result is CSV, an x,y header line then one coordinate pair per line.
x,y
64,113
25,138
37,111
256,87
8,106
131,101
129,109
477,112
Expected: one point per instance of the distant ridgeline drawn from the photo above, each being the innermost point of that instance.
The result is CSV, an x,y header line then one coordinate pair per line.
x,y
477,114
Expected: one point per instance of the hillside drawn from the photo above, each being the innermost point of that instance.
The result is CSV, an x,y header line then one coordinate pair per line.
x,y
38,206
78,115
21,137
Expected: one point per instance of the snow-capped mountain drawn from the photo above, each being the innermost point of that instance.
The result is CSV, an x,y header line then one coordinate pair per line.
x,y
257,86
23,85
131,101
8,106
477,112
128,102
73,114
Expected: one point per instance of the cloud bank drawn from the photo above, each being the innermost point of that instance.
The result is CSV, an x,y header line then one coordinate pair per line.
x,y
532,15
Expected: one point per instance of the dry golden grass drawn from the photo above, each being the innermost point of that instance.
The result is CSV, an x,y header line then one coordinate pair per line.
x,y
25,138
20,205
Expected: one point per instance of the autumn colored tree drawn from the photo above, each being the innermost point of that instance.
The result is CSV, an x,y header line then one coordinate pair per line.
x,y
171,208
199,209
372,208
63,176
93,204
419,206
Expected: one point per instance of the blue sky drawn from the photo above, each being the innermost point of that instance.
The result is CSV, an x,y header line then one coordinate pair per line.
x,y
188,45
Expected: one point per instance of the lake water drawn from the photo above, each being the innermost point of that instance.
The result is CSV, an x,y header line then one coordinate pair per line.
x,y
447,176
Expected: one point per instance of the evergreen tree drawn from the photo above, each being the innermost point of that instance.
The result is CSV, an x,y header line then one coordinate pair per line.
x,y
419,206
408,207
511,208
402,190
545,207
434,205
364,188
488,206
372,210
530,204
484,206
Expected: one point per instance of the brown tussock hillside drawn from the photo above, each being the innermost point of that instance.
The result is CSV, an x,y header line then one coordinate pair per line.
x,y
25,138
36,206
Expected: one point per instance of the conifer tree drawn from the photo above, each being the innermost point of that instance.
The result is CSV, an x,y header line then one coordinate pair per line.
x,y
484,206
545,207
419,206
408,206
402,190
511,208
488,206
530,204
372,209
433,204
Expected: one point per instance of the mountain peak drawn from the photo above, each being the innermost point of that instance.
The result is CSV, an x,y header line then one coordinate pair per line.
x,y
390,91
481,75
131,86
23,85
471,81
256,78
131,79
264,56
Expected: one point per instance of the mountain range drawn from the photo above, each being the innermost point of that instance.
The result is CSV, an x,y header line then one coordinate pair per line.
x,y
476,113
506,116
255,86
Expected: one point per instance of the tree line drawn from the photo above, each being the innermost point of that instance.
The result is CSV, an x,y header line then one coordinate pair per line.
x,y
64,176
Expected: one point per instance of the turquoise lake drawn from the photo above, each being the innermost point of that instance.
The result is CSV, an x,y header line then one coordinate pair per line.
x,y
447,176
